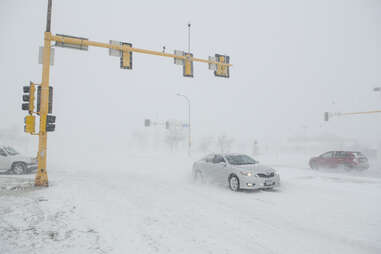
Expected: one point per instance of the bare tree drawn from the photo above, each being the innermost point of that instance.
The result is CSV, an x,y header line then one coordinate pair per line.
x,y
224,143
255,148
205,144
139,139
174,137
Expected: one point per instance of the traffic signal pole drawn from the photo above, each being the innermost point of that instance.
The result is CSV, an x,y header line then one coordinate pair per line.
x,y
42,176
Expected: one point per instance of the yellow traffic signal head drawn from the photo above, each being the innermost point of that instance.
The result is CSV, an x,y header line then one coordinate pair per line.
x,y
326,116
126,58
188,65
30,126
222,70
32,96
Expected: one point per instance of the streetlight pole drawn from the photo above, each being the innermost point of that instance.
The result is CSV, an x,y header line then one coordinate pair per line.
x,y
189,122
189,27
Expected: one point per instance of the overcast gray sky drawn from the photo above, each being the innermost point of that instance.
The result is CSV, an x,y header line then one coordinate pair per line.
x,y
292,60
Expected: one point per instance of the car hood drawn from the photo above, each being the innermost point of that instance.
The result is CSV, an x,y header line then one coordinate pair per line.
x,y
255,168
23,158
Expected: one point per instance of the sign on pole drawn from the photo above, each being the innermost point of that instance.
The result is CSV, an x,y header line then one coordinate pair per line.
x,y
115,52
179,61
64,44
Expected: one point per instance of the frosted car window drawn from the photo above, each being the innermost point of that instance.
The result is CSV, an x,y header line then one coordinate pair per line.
x,y
11,151
2,153
240,159
209,158
359,155
327,155
218,159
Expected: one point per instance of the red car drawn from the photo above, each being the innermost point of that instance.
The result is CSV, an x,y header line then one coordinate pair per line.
x,y
335,159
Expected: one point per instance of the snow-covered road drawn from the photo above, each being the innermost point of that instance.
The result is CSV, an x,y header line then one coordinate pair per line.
x,y
150,205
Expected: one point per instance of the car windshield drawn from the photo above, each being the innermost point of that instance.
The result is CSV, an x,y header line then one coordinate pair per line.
x,y
240,159
11,151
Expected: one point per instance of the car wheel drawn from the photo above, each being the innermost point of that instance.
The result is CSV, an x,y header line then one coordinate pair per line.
x,y
18,168
234,183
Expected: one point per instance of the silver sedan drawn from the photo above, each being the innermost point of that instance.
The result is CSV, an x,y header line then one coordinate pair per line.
x,y
238,171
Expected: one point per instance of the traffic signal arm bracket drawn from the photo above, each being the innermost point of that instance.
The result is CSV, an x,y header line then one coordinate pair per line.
x,y
82,42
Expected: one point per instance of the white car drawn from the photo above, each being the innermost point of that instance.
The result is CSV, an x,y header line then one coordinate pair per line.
x,y
238,171
14,163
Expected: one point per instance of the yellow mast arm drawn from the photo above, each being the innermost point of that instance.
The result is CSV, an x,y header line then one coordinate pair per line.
x,y
76,41
359,113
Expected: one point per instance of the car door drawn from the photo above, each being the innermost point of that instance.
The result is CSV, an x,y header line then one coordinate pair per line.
x,y
333,160
339,159
4,161
206,167
218,168
326,159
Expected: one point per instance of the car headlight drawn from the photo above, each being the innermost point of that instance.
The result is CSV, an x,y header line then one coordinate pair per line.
x,y
245,173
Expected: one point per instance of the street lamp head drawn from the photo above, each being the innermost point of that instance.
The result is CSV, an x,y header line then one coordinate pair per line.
x,y
182,95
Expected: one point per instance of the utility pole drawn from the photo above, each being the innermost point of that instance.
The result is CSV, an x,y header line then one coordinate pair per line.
x,y
220,64
189,122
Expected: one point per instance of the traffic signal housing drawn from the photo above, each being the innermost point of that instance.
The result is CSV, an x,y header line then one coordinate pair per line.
x,y
126,57
188,65
30,124
222,70
147,123
50,123
50,103
29,97
326,116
